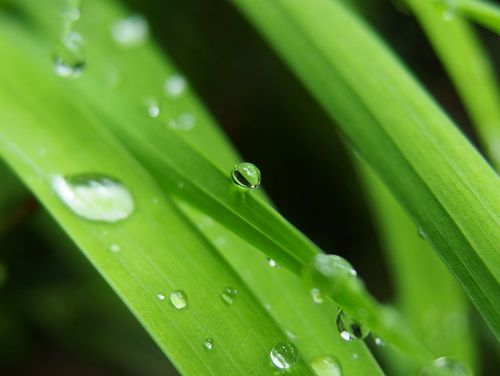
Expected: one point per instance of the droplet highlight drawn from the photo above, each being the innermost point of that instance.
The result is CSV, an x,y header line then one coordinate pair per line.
x,y
152,108
246,175
208,343
284,355
94,197
160,297
317,296
131,31
184,122
326,365
114,248
179,299
68,59
272,263
349,328
229,295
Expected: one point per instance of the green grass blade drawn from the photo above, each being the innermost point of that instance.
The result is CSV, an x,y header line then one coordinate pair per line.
x,y
463,58
434,306
484,13
159,251
447,188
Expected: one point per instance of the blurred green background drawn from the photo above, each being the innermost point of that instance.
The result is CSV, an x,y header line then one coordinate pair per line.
x,y
268,115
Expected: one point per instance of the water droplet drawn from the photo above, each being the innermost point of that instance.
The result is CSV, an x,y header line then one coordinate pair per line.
x,y
291,335
174,86
447,9
317,296
208,343
326,365
94,197
229,294
246,175
349,328
131,31
378,341
326,274
179,299
184,122
272,263
71,10
160,297
444,367
114,248
421,233
152,107
284,355
69,56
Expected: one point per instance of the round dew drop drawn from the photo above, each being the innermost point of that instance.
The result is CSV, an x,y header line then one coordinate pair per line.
x,y
272,263
229,295
131,31
284,355
349,328
174,86
326,365
208,343
68,58
246,175
444,367
94,197
179,299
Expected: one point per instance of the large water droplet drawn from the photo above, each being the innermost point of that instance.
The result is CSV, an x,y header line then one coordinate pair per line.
x,y
349,328
326,365
229,294
69,56
246,175
94,197
175,86
131,31
208,343
444,367
284,355
327,273
179,299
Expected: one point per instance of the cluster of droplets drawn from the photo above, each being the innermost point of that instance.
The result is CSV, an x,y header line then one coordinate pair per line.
x,y
68,57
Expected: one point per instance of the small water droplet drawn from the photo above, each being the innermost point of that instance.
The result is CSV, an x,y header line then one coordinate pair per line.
x,y
317,296
349,328
378,341
208,343
94,197
184,122
272,263
152,107
421,233
326,365
131,31
229,295
160,297
447,9
290,335
68,58
444,367
284,355
179,299
114,248
246,175
175,86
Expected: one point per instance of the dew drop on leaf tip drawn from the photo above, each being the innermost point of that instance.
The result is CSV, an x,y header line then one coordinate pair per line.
x,y
94,197
284,355
246,175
